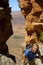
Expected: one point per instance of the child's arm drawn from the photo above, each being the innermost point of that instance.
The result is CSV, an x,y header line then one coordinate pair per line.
x,y
24,59
25,56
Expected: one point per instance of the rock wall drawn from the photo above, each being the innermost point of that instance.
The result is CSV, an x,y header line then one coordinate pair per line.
x,y
5,25
33,13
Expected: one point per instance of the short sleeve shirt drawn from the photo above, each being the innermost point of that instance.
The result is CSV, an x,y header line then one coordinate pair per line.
x,y
29,54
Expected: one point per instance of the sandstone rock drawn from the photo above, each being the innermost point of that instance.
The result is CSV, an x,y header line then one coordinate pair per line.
x,y
29,20
27,38
38,28
33,13
32,18
41,17
40,2
36,7
28,26
25,6
6,61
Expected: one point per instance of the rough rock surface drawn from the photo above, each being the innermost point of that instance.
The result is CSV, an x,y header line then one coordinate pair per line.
x,y
33,13
5,25
6,61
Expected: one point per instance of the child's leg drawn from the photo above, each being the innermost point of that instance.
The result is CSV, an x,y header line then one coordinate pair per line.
x,y
26,63
32,62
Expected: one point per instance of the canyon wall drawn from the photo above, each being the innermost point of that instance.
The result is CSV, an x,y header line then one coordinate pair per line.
x,y
32,10
5,25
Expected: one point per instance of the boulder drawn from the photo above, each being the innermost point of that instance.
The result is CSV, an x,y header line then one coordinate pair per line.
x,y
5,60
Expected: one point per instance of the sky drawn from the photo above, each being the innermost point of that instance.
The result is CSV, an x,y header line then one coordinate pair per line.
x,y
14,5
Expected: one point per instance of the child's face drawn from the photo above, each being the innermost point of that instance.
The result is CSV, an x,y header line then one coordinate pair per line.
x,y
34,48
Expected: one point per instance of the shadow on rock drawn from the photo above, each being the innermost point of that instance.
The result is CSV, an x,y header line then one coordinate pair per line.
x,y
12,57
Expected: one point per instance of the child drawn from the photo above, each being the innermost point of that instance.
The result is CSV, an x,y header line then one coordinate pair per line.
x,y
29,55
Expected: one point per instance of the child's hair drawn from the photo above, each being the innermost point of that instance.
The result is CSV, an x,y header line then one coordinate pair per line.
x,y
29,45
35,44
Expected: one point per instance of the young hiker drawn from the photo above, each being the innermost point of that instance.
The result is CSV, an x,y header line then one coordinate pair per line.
x,y
30,54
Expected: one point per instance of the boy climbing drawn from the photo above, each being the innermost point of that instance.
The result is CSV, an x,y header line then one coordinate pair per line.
x,y
30,54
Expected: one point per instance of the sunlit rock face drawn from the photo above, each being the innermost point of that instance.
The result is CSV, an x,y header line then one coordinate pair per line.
x,y
5,24
33,13
32,10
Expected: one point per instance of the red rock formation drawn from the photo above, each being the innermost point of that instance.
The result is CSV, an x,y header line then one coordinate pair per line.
x,y
33,13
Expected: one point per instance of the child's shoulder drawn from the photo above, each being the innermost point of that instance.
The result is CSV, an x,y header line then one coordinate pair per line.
x,y
27,50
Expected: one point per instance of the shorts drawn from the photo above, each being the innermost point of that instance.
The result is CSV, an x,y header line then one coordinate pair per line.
x,y
32,62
